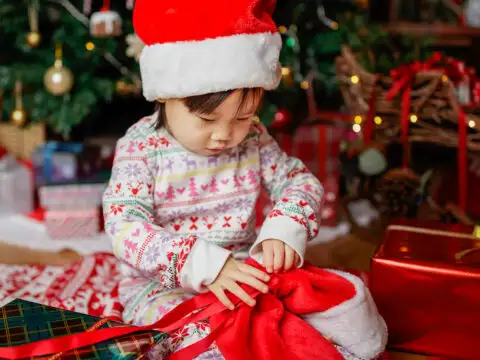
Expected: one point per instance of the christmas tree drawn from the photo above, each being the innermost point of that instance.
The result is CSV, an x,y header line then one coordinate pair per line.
x,y
63,58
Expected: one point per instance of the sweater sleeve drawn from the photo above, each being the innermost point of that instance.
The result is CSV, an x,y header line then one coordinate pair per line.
x,y
138,241
297,195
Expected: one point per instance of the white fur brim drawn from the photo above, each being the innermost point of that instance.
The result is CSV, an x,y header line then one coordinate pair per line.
x,y
354,324
188,68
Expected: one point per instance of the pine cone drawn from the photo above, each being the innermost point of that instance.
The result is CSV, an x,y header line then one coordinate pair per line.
x,y
397,193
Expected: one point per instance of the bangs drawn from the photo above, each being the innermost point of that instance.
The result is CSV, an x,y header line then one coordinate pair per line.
x,y
208,103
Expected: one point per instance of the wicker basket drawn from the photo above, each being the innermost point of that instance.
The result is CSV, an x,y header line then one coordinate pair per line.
x,y
21,142
433,100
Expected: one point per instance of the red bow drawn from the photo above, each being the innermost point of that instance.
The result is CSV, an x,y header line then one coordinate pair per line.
x,y
402,82
272,330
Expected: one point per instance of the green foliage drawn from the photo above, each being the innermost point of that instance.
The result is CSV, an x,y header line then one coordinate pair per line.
x,y
95,79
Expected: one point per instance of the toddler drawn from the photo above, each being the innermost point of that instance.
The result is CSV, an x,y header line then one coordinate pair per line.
x,y
180,203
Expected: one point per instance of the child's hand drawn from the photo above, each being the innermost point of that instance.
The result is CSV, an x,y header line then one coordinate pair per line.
x,y
278,256
234,272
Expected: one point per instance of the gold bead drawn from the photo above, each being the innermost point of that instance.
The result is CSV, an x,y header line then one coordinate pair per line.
x,y
305,85
18,117
33,38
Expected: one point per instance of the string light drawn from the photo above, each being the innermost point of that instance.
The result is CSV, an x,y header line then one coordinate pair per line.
x,y
444,78
305,85
286,71
413,118
282,29
358,119
90,46
471,123
356,128
355,79
378,120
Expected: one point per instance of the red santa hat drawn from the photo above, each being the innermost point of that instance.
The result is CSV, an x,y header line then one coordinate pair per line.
x,y
197,47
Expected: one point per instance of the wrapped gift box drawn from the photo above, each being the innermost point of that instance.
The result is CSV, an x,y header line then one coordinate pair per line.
x,y
23,322
65,162
425,282
70,224
71,196
16,187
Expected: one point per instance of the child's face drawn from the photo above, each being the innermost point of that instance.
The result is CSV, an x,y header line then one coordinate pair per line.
x,y
211,134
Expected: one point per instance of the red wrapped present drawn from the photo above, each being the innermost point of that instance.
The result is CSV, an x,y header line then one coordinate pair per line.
x,y
425,281
67,224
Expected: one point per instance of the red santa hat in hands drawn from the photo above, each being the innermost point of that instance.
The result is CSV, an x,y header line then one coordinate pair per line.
x,y
197,47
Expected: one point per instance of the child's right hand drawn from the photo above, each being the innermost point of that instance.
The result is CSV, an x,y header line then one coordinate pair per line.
x,y
234,272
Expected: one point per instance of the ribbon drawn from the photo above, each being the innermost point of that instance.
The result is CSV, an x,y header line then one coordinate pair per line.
x,y
402,83
462,160
272,330
459,256
49,149
368,128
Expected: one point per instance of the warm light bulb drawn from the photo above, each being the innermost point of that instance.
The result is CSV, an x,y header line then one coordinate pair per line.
x,y
378,120
282,29
90,46
355,79
305,85
471,123
286,71
358,119
356,128
444,78
413,118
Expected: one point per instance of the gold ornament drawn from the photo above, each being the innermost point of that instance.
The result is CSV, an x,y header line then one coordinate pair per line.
x,y
125,89
287,76
58,79
33,39
33,36
18,116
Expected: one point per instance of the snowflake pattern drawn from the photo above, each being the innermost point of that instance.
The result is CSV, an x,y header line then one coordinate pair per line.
x,y
132,170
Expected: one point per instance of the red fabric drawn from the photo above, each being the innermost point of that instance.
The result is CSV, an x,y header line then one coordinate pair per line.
x,y
427,291
272,330
163,21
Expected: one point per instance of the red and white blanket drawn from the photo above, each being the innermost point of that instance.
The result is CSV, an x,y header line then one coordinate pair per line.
x,y
88,286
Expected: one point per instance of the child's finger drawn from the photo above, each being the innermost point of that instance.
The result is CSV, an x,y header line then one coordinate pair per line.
x,y
220,294
235,289
250,270
278,256
268,257
250,280
289,258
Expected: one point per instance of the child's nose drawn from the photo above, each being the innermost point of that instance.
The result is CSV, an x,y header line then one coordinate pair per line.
x,y
222,134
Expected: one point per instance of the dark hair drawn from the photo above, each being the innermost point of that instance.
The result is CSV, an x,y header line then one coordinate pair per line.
x,y
206,104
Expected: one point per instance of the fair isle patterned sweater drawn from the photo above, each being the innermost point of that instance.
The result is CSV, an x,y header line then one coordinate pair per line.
x,y
175,217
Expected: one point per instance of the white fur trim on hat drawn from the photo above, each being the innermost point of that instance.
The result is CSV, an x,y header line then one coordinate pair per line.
x,y
354,324
188,68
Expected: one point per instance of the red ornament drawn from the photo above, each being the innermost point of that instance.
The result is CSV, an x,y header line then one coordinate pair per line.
x,y
282,119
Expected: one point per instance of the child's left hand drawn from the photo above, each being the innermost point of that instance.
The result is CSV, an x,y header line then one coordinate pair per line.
x,y
278,256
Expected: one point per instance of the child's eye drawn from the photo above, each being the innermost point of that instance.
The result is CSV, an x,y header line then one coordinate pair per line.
x,y
207,119
245,118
